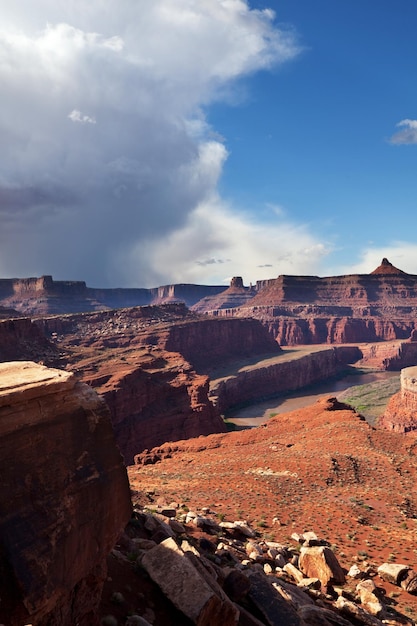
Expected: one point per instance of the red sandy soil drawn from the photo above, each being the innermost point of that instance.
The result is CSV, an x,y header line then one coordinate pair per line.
x,y
320,468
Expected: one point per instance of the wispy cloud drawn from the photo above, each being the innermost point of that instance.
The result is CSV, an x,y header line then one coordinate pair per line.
x,y
408,134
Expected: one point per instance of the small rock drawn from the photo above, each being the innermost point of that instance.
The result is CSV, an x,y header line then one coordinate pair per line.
x,y
244,528
293,571
176,526
280,561
367,592
309,583
167,511
354,572
236,585
187,547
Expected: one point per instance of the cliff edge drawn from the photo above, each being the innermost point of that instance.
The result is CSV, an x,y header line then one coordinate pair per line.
x,y
401,412
64,497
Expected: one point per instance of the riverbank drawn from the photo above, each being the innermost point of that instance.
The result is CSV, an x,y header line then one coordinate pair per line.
x,y
368,393
293,369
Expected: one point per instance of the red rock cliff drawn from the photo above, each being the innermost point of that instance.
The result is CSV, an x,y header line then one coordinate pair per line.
x,y
381,306
21,339
154,396
251,384
401,413
64,497
145,360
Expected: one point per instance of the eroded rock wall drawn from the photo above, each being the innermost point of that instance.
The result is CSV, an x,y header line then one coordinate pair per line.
x,y
249,385
205,342
64,497
391,355
43,295
401,413
155,398
21,339
306,325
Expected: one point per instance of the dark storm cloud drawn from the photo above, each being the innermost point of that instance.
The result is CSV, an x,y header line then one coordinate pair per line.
x,y
106,154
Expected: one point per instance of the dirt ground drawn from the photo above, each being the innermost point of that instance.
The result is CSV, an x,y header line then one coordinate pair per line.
x,y
321,468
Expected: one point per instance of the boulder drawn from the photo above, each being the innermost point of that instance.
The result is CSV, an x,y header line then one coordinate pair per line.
x,y
368,596
409,583
350,609
270,604
180,581
320,562
393,572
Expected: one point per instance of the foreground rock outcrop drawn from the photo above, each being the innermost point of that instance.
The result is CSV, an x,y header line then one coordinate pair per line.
x,y
401,413
189,568
64,497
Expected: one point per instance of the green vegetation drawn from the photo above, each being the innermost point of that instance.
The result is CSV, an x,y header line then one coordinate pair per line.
x,y
370,400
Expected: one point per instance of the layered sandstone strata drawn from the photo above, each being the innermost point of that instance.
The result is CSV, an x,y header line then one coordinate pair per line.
x,y
297,310
288,372
43,295
150,364
154,396
200,339
401,413
21,339
64,497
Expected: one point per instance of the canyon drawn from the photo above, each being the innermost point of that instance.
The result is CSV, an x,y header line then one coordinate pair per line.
x,y
168,373
164,375
296,310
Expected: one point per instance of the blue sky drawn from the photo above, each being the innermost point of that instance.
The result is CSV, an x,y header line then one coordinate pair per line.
x,y
192,141
314,136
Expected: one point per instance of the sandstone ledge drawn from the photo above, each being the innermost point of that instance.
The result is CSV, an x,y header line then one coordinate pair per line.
x,y
24,380
64,497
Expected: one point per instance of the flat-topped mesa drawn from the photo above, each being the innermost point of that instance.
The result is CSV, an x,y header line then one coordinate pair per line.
x,y
64,496
380,306
386,284
401,412
42,296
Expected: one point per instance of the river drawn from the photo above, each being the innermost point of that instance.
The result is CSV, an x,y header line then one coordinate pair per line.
x,y
259,413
